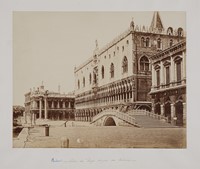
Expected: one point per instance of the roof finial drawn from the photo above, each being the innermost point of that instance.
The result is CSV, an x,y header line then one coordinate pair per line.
x,y
132,23
156,23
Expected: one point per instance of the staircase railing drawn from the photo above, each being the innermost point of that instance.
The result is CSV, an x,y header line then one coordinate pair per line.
x,y
156,116
147,113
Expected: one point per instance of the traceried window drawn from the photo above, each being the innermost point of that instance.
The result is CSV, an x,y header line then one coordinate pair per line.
x,y
125,65
112,71
144,64
90,78
147,42
159,43
102,72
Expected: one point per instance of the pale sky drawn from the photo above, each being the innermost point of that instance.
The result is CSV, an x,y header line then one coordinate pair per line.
x,y
48,45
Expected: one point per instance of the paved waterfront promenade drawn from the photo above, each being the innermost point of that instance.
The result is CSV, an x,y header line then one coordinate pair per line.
x,y
82,136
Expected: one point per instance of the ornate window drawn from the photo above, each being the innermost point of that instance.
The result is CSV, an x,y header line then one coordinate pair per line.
x,y
178,71
125,65
167,75
112,71
158,77
102,72
178,61
95,78
78,84
144,64
147,42
83,81
122,48
90,78
142,42
159,43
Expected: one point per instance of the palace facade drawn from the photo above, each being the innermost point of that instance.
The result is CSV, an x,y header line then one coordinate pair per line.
x,y
168,90
118,76
44,104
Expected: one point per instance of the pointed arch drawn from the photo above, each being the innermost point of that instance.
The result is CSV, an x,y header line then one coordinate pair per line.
x,y
180,31
170,31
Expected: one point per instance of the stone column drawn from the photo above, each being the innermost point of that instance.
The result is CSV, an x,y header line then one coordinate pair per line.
x,y
33,118
153,78
63,105
175,71
25,117
184,114
40,108
133,96
52,105
45,108
173,113
58,105
127,96
69,105
153,106
162,109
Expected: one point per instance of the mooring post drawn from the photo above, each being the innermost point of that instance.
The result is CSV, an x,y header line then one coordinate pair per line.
x,y
64,142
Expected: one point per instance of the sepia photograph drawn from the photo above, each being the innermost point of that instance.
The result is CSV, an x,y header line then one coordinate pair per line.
x,y
99,79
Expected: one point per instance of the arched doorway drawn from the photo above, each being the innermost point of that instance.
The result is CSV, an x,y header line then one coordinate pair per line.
x,y
168,111
109,122
179,113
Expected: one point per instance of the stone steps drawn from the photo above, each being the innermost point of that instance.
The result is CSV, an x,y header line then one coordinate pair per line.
x,y
149,122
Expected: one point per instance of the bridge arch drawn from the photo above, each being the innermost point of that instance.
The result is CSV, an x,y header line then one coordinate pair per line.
x,y
109,121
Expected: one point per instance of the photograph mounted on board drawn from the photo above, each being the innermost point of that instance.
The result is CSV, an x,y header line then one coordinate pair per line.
x,y
99,79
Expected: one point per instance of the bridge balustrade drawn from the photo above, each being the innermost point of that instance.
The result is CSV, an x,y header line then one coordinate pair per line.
x,y
117,114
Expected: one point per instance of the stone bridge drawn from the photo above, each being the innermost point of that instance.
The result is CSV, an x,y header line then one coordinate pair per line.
x,y
112,117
